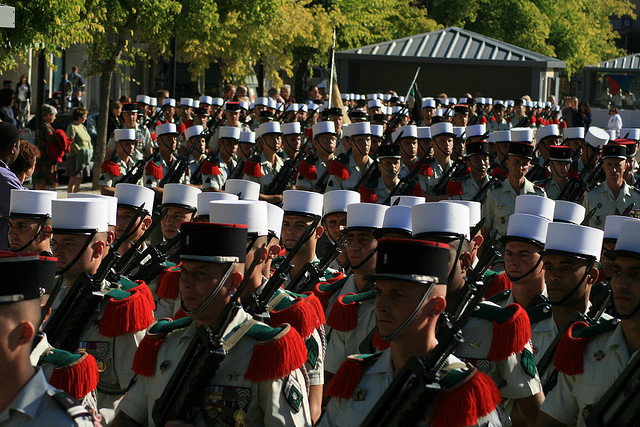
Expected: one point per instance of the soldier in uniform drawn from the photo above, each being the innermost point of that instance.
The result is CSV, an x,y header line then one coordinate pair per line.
x,y
347,170
313,173
232,118
442,140
410,296
113,330
264,167
590,359
27,398
546,136
255,383
162,163
594,139
502,352
143,143
461,115
519,117
501,200
216,170
120,162
570,261
427,111
560,166
30,221
500,146
468,186
407,138
130,197
334,220
574,138
614,195
497,120
291,140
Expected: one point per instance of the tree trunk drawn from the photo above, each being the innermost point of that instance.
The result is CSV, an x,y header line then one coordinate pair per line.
x,y
103,118
301,74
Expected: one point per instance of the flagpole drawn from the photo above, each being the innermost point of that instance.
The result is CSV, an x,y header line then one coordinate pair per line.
x,y
331,67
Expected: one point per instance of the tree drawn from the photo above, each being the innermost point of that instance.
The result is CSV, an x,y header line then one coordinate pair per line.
x,y
123,22
578,32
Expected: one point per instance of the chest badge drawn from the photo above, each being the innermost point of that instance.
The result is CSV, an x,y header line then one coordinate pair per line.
x,y
360,395
599,355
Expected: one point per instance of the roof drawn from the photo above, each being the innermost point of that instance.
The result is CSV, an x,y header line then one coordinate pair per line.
x,y
452,45
629,63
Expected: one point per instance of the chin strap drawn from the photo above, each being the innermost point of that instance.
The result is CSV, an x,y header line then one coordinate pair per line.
x,y
75,259
515,279
357,266
41,225
575,288
412,316
212,295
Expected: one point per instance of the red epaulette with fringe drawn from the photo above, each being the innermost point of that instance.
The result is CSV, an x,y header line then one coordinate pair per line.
x,y
511,329
569,355
308,170
169,283
338,169
562,124
127,311
209,168
181,128
573,174
532,120
492,119
144,361
278,352
425,168
500,172
301,313
75,373
417,191
483,120
466,397
337,276
367,195
499,284
154,137
110,168
252,168
454,188
324,290
154,169
344,313
348,377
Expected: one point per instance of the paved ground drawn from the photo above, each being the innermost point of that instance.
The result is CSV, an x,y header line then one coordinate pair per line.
x,y
85,187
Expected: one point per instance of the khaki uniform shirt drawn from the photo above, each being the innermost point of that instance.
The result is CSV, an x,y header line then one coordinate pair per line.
x,y
109,180
217,181
151,182
231,395
342,344
355,173
601,197
470,188
144,142
605,357
501,203
303,183
268,170
372,385
35,406
438,171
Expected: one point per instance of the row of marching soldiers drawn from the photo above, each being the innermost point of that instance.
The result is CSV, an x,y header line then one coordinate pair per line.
x,y
237,317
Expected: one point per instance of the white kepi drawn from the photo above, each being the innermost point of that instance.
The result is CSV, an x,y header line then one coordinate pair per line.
x,y
31,203
251,213
112,203
181,196
133,196
209,196
574,240
244,189
448,220
337,201
306,203
566,211
535,205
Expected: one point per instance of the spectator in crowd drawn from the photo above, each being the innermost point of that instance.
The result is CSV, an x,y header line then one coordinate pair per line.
x,y
629,100
605,99
7,97
228,92
66,89
584,113
46,173
242,93
615,121
9,151
160,95
552,100
81,150
25,164
285,93
23,95
76,80
313,92
115,121
569,112
77,99
617,99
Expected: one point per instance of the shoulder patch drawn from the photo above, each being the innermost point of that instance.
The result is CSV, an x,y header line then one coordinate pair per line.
x,y
349,374
528,362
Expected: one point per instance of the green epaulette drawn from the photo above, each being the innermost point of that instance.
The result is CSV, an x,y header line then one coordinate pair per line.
x,y
603,326
331,287
345,381
498,298
165,326
492,313
262,332
59,358
539,313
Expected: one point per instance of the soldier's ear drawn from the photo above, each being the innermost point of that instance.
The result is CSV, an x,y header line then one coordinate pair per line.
x,y
235,279
436,306
274,251
319,231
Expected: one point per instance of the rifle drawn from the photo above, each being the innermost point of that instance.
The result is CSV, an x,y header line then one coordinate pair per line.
x,y
287,171
537,171
407,183
152,261
125,263
238,171
620,405
180,165
156,116
415,388
482,191
134,174
441,187
184,396
574,187
257,304
366,174
311,273
590,215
